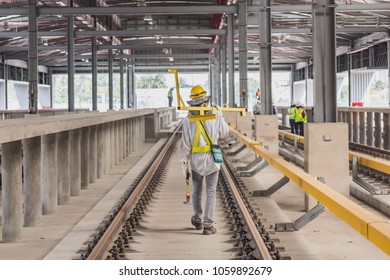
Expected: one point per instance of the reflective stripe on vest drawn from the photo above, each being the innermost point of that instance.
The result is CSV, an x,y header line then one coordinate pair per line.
x,y
203,149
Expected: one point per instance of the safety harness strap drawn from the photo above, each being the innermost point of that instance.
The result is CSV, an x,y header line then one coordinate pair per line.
x,y
200,130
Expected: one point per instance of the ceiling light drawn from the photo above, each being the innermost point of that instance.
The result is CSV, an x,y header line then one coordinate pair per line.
x,y
171,59
148,17
159,41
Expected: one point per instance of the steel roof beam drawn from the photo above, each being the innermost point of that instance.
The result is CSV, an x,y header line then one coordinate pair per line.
x,y
178,32
153,10
196,9
308,8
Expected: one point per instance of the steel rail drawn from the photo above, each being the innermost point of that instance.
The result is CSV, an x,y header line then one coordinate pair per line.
x,y
258,240
105,240
369,225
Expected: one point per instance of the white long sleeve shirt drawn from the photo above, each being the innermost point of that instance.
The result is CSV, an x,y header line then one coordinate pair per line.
x,y
202,163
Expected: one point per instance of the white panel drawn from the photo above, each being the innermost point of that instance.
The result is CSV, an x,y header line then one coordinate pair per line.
x,y
44,96
21,90
2,94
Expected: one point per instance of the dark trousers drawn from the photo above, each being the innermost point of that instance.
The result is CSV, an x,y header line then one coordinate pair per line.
x,y
170,98
299,128
292,125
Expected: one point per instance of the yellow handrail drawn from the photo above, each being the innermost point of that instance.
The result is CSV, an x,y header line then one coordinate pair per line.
x,y
372,227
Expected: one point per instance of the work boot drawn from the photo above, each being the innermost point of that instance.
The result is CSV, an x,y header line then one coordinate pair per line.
x,y
197,224
209,230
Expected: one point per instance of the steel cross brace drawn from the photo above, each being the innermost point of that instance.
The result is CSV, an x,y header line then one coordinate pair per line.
x,y
268,192
302,221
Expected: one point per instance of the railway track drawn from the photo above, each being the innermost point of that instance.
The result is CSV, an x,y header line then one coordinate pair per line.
x,y
148,221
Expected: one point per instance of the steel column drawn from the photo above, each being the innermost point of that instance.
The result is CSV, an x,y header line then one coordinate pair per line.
x,y
121,85
94,73
388,68
265,57
324,60
223,69
242,50
110,81
230,51
32,56
71,64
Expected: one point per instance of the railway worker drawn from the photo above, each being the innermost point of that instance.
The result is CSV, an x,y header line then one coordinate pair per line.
x,y
300,118
258,94
196,154
170,97
292,116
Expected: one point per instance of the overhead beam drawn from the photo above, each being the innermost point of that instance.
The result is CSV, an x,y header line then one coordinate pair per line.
x,y
308,8
153,10
195,9
179,32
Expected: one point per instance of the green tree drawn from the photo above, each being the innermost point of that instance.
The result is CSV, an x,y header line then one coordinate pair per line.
x,y
151,81
183,83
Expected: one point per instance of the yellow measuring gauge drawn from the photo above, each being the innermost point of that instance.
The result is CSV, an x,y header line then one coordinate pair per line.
x,y
201,112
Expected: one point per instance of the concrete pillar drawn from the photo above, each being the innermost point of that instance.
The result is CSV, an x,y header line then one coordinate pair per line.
x,y
244,124
386,131
12,191
75,162
362,128
127,129
378,130
100,151
49,173
350,127
131,135
63,171
117,143
121,141
355,126
32,181
92,154
370,128
266,132
112,144
326,156
107,148
85,157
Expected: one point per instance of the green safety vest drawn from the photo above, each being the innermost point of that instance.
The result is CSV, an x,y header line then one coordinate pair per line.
x,y
201,149
292,113
170,93
298,115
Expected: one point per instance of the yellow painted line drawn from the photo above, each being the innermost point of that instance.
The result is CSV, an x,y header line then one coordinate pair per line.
x,y
372,227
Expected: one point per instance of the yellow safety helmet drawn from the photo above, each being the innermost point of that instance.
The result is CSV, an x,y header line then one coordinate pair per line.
x,y
198,96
